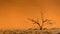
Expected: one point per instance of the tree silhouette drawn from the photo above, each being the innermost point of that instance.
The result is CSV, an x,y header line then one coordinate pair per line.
x,y
41,25
43,21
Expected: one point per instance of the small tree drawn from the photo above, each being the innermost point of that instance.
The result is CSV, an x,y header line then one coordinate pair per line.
x,y
43,21
40,25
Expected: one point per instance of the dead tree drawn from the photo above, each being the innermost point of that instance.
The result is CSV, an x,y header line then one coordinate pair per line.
x,y
42,19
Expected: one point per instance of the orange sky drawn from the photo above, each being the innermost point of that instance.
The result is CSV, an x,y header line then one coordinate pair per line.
x,y
14,13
